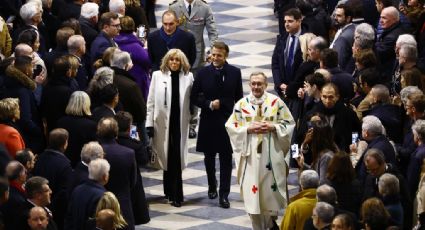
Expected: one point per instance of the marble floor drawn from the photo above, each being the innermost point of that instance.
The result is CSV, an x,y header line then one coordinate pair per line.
x,y
249,28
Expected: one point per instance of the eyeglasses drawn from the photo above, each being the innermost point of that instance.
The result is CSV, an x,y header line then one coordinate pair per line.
x,y
118,26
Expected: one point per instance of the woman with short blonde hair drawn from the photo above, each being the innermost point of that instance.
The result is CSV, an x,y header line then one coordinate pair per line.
x,y
9,136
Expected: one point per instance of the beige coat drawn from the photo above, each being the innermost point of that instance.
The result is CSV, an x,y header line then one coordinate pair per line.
x,y
158,114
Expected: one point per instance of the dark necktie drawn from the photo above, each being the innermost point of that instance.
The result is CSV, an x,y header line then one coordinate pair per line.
x,y
189,10
290,59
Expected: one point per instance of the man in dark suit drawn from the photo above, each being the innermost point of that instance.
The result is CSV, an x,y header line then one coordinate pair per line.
x,y
123,167
38,193
53,165
216,89
110,98
110,24
88,22
91,151
17,175
344,80
84,198
130,94
344,37
140,206
384,46
287,55
169,37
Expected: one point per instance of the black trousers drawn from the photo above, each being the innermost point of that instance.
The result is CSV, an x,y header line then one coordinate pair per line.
x,y
225,172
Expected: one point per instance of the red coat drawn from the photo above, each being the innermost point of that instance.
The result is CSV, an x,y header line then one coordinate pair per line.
x,y
11,138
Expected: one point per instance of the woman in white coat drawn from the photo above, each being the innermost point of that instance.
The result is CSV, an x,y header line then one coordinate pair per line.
x,y
167,121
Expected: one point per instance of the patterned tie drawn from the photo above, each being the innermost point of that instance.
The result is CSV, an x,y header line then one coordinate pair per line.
x,y
189,10
290,59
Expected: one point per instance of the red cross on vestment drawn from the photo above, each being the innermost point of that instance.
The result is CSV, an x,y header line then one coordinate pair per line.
x,y
254,189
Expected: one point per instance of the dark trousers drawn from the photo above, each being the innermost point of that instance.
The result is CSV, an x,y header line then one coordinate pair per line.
x,y
225,172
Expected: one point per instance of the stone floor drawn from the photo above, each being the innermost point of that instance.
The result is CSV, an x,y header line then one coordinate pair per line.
x,y
249,28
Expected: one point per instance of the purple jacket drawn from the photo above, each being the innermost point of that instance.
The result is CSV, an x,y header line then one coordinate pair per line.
x,y
140,71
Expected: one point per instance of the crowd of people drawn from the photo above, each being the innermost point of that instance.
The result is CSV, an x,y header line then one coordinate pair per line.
x,y
90,92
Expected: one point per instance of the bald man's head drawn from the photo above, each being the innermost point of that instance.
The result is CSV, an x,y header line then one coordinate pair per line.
x,y
23,50
389,17
105,219
38,219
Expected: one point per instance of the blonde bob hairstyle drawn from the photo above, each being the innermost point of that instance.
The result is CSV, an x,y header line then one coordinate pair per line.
x,y
110,201
305,39
78,104
175,53
9,107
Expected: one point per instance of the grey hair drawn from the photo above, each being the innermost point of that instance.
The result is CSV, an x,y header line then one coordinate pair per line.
x,y
102,77
388,184
406,39
326,194
120,59
28,10
373,125
78,104
382,93
407,91
115,6
362,43
309,179
419,128
89,9
91,151
98,169
74,43
325,212
319,43
393,12
410,51
364,31
258,73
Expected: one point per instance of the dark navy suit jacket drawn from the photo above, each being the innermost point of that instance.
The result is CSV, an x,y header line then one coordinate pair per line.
x,y
209,86
278,62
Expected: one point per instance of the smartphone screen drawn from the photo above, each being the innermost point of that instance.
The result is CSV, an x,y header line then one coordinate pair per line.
x,y
295,151
133,132
354,137
141,31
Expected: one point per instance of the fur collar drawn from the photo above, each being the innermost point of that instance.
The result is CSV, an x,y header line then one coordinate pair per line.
x,y
19,76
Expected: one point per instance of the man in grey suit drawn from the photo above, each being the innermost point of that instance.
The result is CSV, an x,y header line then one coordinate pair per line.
x,y
194,16
344,37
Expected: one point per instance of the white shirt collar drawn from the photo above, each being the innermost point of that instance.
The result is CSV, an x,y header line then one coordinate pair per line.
x,y
186,4
257,101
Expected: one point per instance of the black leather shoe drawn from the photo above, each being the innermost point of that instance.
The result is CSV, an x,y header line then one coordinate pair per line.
x,y
212,194
224,203
192,133
176,204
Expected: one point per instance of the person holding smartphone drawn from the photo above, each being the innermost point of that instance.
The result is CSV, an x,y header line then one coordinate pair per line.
x,y
320,138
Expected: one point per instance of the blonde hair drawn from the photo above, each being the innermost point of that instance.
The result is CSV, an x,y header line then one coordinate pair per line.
x,y
78,104
304,41
110,201
73,63
8,108
176,53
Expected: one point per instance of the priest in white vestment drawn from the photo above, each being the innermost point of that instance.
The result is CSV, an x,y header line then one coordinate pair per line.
x,y
260,131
